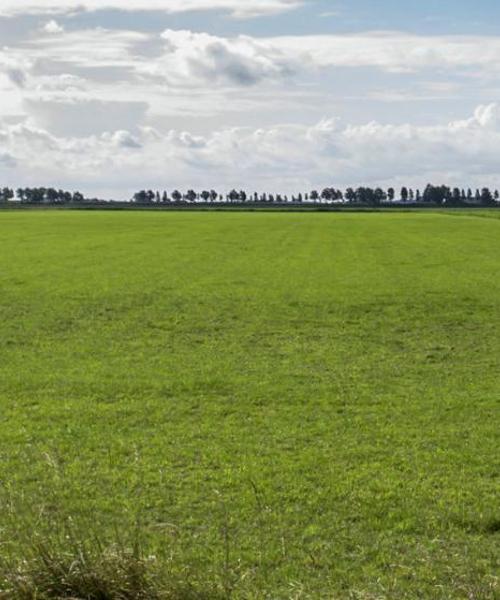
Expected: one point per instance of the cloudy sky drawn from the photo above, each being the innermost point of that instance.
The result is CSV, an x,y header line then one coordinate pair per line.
x,y
277,95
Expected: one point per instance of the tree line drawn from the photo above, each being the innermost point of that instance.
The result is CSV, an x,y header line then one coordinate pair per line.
x,y
364,196
41,195
437,195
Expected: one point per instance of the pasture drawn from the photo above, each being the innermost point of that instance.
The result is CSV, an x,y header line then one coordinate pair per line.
x,y
277,405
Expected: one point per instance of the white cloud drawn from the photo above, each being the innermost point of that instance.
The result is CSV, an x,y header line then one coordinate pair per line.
x,y
81,116
15,67
199,58
284,157
393,51
86,48
237,8
52,27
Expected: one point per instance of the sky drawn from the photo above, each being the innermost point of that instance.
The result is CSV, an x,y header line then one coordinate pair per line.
x,y
112,96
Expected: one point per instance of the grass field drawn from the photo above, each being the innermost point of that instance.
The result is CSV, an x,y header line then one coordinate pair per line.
x,y
278,405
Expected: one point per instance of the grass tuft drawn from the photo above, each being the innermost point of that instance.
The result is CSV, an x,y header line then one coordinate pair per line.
x,y
87,571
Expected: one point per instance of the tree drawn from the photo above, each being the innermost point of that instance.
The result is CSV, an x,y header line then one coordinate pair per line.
x,y
176,196
391,194
404,194
191,196
436,194
379,196
140,197
456,197
350,195
233,196
6,194
326,194
487,197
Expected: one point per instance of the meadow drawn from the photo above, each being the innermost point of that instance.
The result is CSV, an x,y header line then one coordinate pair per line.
x,y
265,405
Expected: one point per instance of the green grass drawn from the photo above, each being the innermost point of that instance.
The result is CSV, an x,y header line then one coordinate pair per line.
x,y
273,405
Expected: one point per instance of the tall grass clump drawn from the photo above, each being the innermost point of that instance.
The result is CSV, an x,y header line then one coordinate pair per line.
x,y
78,566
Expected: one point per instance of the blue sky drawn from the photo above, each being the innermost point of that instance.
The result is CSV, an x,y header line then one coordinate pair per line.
x,y
266,94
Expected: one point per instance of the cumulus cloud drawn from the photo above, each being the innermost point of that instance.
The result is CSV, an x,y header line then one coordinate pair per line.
x,y
284,157
52,27
237,8
193,58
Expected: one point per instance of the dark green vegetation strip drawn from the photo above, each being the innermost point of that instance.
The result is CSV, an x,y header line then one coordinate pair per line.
x,y
277,405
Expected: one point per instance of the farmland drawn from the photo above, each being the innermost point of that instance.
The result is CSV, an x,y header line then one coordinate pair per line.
x,y
280,405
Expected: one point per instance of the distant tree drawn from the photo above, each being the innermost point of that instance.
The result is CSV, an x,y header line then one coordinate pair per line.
x,y
326,194
379,196
233,196
437,194
140,197
404,194
191,196
176,196
350,195
456,197
487,197
6,194
314,196
391,194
